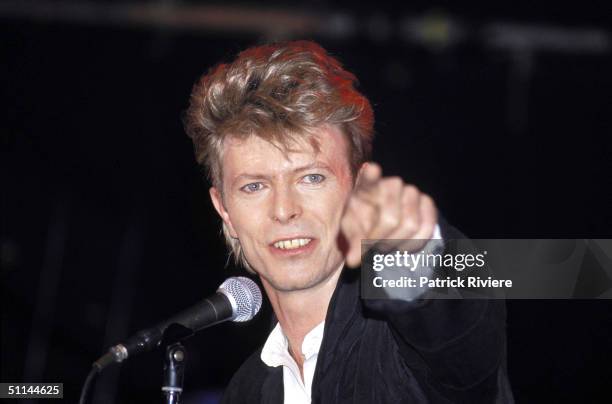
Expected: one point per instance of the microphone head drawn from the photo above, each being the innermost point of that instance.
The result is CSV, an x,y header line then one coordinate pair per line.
x,y
244,295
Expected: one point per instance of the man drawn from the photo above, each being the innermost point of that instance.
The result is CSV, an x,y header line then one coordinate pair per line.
x,y
285,138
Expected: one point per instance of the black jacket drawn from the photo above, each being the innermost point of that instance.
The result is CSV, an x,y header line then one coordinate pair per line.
x,y
392,351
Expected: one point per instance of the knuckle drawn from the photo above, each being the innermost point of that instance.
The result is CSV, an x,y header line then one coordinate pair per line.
x,y
428,200
411,190
394,184
410,225
389,220
428,203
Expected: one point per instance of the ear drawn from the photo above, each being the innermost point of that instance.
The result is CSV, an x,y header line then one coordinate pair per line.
x,y
217,201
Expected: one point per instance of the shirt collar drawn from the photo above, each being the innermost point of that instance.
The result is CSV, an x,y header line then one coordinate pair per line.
x,y
275,351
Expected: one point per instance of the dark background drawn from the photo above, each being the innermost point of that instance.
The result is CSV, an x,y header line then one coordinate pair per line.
x,y
106,221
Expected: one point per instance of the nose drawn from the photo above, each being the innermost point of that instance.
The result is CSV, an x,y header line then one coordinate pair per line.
x,y
286,205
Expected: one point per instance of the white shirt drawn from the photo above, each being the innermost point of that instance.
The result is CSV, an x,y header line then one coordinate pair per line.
x,y
276,353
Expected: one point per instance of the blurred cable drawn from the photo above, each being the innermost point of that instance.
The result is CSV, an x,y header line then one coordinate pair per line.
x,y
120,309
522,37
434,30
46,293
241,19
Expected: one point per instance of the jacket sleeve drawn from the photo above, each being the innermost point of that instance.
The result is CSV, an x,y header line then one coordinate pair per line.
x,y
458,346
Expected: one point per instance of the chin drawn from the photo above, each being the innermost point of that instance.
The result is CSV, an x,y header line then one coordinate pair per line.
x,y
294,275
296,282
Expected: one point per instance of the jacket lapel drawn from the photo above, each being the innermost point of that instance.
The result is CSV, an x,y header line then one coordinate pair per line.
x,y
272,391
341,325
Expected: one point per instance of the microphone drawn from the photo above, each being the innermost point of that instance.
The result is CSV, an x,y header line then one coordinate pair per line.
x,y
237,299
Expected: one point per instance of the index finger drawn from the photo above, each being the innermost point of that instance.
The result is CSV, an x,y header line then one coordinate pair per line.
x,y
369,177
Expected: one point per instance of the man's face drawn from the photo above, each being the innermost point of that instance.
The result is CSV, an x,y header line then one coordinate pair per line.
x,y
285,208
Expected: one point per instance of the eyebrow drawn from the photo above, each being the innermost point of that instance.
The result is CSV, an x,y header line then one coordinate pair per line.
x,y
316,164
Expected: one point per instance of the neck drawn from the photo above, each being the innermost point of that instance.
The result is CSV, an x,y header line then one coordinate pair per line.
x,y
298,312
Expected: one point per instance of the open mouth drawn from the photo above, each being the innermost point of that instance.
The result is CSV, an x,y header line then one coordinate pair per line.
x,y
292,244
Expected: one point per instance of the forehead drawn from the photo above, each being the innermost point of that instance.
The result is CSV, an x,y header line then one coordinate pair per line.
x,y
255,155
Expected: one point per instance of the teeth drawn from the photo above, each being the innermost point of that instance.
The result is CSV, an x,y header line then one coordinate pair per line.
x,y
292,244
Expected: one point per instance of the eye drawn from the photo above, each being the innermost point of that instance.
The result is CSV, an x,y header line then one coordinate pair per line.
x,y
252,187
314,178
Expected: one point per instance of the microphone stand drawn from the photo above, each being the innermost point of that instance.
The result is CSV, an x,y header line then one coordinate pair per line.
x,y
174,371
174,361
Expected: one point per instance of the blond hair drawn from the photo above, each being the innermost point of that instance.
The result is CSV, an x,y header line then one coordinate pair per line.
x,y
277,92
